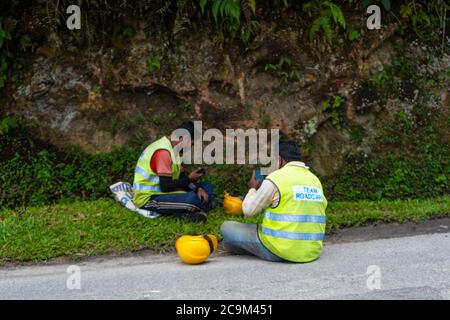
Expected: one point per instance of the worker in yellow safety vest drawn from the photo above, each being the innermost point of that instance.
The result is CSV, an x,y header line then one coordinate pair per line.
x,y
293,204
161,186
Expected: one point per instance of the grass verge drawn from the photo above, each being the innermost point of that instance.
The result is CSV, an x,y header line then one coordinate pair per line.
x,y
98,227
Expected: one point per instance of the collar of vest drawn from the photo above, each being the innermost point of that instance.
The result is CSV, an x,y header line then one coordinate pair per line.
x,y
297,164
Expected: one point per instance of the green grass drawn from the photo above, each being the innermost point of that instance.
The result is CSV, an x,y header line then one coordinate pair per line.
x,y
97,227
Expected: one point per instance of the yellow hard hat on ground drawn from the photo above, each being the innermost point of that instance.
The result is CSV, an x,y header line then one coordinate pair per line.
x,y
232,205
195,249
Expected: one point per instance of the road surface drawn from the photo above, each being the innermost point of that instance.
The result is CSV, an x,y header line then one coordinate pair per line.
x,y
415,267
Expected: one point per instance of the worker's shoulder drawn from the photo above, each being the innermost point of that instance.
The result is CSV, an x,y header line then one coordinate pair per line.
x,y
161,155
162,152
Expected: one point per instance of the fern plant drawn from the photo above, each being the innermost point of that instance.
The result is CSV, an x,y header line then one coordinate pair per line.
x,y
227,15
223,9
326,15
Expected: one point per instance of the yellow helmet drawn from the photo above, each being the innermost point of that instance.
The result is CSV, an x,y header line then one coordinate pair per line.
x,y
232,205
195,249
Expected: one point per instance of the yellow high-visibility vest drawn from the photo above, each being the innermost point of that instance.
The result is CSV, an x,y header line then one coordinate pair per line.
x,y
295,229
146,182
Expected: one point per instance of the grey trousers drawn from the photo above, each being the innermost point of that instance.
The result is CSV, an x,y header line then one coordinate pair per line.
x,y
242,238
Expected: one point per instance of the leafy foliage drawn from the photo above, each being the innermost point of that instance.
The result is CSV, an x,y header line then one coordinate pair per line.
x,y
421,166
34,173
226,9
413,11
324,12
13,49
233,19
153,63
334,107
227,15
25,42
353,35
392,177
386,3
229,9
7,124
283,69
126,32
5,55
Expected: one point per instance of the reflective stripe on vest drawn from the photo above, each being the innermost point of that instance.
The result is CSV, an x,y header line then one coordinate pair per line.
x,y
146,175
146,188
294,217
292,235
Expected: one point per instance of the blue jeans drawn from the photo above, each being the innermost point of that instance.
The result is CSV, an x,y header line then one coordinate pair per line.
x,y
242,238
175,203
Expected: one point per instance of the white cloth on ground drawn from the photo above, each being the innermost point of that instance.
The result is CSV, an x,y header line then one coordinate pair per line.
x,y
123,193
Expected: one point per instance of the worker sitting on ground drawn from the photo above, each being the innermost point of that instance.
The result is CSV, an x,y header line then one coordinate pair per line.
x,y
294,206
160,185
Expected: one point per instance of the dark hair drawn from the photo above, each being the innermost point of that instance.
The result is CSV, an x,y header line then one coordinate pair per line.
x,y
189,126
289,151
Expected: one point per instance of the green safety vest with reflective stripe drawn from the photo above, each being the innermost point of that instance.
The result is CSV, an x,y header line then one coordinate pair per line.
x,y
294,230
146,182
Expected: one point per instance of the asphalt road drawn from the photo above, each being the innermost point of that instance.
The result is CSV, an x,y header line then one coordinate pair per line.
x,y
416,267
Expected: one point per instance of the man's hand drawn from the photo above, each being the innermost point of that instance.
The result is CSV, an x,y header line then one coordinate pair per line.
x,y
202,195
194,176
253,182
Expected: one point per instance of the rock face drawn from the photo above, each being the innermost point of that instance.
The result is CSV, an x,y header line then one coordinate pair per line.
x,y
137,89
